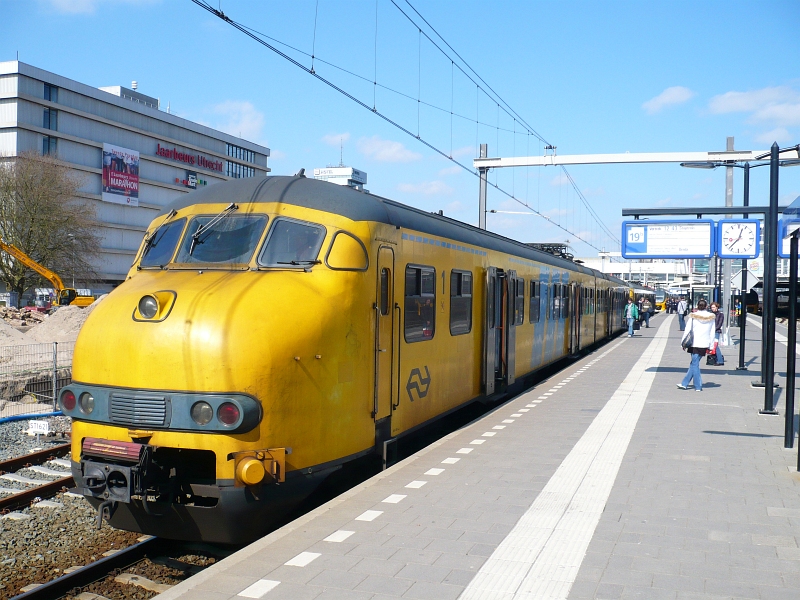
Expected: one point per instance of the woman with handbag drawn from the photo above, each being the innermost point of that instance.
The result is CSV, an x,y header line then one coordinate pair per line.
x,y
697,340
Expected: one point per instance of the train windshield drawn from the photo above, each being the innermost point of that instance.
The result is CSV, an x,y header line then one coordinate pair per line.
x,y
661,295
160,246
230,241
292,243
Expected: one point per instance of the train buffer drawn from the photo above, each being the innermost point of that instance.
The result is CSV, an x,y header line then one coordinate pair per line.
x,y
605,481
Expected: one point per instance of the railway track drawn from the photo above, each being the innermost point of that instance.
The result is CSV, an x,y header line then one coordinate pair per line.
x,y
38,488
116,572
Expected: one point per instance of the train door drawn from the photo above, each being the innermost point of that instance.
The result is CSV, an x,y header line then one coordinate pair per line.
x,y
575,291
499,330
386,373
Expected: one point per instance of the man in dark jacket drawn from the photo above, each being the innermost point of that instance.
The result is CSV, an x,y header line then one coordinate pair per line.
x,y
719,323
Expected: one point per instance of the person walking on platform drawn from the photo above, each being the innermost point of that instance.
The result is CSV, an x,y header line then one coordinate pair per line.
x,y
697,340
631,314
719,323
646,308
682,309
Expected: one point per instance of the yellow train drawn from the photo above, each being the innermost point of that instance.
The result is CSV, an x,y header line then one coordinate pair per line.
x,y
273,329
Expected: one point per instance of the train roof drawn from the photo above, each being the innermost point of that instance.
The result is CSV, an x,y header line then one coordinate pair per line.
x,y
364,206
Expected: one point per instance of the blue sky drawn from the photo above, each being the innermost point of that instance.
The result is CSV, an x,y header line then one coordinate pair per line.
x,y
589,77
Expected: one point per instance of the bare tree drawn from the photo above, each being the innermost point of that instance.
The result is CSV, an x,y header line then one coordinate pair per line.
x,y
41,215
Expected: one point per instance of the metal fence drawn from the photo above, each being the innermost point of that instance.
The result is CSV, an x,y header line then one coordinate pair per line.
x,y
31,376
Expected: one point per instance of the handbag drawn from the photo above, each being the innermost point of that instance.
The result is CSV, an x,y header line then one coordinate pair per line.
x,y
688,340
637,325
711,360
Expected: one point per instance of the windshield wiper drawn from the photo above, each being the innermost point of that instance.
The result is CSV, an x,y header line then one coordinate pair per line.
x,y
152,237
300,262
196,235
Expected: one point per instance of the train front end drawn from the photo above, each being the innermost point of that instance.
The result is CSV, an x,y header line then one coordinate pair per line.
x,y
205,400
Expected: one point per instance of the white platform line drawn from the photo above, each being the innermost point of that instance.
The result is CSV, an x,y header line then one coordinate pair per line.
x,y
259,588
369,515
542,554
394,498
303,559
340,535
451,460
416,484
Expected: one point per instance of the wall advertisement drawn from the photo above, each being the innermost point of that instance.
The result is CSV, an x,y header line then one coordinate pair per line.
x,y
120,175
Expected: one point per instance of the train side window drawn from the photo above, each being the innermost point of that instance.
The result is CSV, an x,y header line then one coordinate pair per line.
x,y
292,243
460,302
384,291
160,246
555,302
519,302
346,253
420,303
533,312
565,291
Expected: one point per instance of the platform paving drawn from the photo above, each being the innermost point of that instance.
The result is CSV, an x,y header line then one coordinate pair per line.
x,y
603,482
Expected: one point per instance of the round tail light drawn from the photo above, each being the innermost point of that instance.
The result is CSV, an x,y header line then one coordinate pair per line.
x,y
228,413
68,400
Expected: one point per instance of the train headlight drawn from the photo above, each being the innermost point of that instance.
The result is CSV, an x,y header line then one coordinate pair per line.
x,y
68,400
86,403
228,413
148,306
202,413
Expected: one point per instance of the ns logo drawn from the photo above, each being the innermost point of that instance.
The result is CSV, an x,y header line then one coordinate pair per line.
x,y
419,383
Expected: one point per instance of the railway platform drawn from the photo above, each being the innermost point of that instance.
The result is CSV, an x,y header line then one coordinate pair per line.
x,y
605,481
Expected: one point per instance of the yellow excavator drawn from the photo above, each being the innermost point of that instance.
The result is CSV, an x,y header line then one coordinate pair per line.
x,y
64,296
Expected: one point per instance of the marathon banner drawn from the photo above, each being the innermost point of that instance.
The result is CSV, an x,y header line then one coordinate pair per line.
x,y
120,175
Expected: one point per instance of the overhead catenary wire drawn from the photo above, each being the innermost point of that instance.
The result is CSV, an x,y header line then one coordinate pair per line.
x,y
249,32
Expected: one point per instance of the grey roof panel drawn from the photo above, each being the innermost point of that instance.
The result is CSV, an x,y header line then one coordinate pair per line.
x,y
362,206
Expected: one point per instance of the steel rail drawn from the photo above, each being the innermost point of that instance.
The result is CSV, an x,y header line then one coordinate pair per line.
x,y
95,571
25,497
35,458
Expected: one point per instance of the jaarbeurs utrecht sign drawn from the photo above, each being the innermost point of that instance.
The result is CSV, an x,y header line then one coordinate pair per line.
x,y
196,160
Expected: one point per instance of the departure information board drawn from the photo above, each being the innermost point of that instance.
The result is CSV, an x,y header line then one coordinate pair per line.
x,y
668,239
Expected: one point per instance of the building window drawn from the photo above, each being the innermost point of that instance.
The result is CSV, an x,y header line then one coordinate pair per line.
x,y
460,302
420,303
238,171
241,153
519,301
50,92
50,120
49,145
533,312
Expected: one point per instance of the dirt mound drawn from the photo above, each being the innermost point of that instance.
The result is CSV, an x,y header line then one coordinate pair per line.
x,y
62,326
10,336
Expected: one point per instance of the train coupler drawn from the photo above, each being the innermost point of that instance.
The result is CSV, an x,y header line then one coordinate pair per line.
x,y
105,510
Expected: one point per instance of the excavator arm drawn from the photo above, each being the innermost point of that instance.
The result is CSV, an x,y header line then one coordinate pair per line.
x,y
32,264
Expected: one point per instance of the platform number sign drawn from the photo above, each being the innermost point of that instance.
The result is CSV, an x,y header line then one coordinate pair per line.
x,y
668,239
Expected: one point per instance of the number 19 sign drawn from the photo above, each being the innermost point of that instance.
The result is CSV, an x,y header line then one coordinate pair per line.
x,y
668,239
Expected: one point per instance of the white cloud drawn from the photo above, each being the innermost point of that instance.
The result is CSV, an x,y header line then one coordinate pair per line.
x,y
239,118
560,179
276,154
663,201
386,150
335,139
427,188
85,7
672,95
454,170
779,106
464,151
779,134
556,212
454,207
